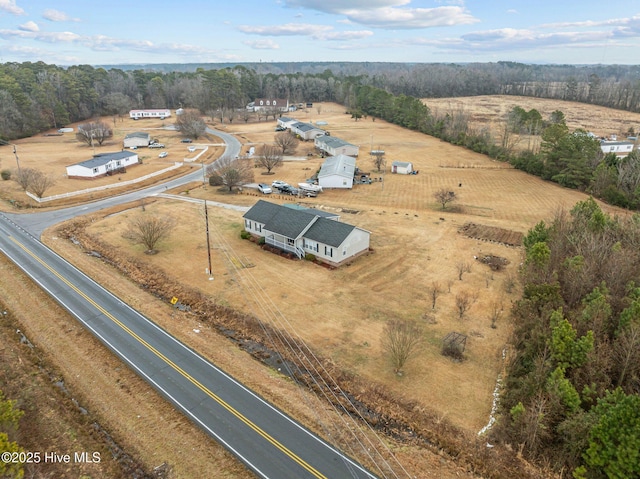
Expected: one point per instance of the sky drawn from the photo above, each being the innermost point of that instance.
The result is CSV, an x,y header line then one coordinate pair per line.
x,y
72,32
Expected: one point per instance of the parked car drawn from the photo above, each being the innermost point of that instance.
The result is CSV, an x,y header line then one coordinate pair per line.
x,y
279,184
264,189
280,128
163,154
192,149
156,145
186,140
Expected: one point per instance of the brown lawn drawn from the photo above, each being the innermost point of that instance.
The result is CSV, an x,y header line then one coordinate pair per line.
x,y
341,313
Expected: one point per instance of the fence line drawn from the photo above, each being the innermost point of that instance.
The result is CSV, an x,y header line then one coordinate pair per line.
x,y
176,165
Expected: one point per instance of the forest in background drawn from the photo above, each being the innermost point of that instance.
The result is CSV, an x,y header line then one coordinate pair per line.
x,y
572,396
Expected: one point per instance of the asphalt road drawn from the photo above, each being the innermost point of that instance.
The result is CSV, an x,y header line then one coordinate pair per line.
x,y
266,440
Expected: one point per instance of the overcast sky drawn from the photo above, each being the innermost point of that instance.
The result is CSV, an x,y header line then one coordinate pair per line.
x,y
67,32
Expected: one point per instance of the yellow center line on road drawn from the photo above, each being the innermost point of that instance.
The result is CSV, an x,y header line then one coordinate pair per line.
x,y
177,368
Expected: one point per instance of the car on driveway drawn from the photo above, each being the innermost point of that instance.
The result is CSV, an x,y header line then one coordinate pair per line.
x,y
279,184
265,189
192,149
186,140
163,154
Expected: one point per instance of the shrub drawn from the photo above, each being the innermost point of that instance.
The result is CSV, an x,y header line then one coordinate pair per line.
x,y
5,175
261,241
245,234
310,257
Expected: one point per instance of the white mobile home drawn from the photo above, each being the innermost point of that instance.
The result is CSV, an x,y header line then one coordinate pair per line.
x,y
307,131
102,165
153,113
335,146
337,172
620,148
136,139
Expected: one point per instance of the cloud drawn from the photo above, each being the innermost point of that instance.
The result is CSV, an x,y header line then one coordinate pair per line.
x,y
47,37
10,6
390,14
265,44
57,16
29,27
286,29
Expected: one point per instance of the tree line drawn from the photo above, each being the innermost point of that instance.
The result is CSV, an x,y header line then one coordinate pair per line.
x,y
572,394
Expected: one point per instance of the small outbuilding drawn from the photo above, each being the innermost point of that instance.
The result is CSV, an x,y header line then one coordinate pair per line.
x,y
402,167
337,172
137,139
103,164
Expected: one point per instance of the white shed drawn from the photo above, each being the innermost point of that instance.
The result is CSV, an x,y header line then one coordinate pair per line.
x,y
401,167
337,172
102,165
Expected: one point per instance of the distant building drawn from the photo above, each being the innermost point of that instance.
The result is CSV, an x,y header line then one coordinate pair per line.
x,y
337,172
307,131
278,104
137,139
155,113
401,167
335,146
102,164
620,148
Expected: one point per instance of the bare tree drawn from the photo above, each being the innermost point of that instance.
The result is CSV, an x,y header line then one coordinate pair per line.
x,y
149,230
191,124
287,142
269,157
40,183
444,197
24,176
93,132
246,115
377,156
434,291
464,301
401,339
463,267
495,312
229,172
627,353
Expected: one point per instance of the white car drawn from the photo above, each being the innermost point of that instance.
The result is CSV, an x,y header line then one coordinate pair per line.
x,y
279,184
192,149
264,189
163,154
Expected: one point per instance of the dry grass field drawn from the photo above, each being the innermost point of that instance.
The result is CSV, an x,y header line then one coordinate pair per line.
x,y
488,110
342,312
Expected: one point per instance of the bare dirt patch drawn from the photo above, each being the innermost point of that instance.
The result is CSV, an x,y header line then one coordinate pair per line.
x,y
493,234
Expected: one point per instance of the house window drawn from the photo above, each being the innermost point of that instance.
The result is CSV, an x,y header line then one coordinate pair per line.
x,y
328,251
95,170
290,241
247,224
259,227
118,163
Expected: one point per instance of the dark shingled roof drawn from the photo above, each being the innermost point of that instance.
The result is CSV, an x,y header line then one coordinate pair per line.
x,y
329,232
104,158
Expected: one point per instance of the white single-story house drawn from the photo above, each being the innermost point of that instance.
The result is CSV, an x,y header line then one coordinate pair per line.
x,y
337,172
307,131
620,148
401,167
102,164
304,231
161,113
335,146
137,139
279,104
286,122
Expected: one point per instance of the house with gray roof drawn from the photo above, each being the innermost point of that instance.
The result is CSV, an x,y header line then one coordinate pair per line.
x,y
333,146
304,231
306,131
103,164
337,172
136,139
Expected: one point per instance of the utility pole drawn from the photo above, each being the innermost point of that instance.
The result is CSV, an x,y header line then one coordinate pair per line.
x,y
206,220
17,160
